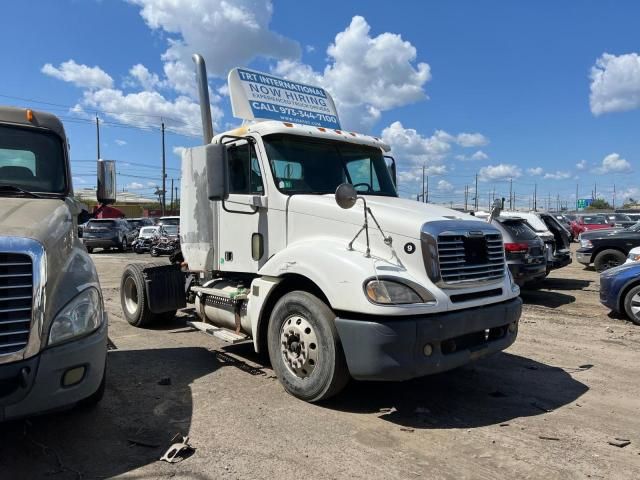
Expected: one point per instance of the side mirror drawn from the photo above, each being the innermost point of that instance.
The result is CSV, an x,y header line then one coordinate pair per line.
x,y
217,173
106,192
346,196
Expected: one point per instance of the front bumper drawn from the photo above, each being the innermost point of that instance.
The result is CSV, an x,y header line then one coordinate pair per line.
x,y
34,385
394,349
583,255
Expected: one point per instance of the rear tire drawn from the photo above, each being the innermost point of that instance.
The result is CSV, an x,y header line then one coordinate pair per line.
x,y
631,302
123,245
133,297
607,259
304,347
90,249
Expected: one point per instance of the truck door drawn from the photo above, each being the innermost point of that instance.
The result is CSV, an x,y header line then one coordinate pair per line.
x,y
242,219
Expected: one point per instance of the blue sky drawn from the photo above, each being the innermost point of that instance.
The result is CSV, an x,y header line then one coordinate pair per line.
x,y
544,92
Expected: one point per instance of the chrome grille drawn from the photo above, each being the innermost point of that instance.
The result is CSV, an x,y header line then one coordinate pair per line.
x,y
466,258
16,299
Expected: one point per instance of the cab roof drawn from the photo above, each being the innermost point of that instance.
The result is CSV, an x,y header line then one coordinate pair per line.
x,y
274,126
20,116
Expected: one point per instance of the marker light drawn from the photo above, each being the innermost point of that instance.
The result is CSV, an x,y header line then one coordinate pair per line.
x,y
29,115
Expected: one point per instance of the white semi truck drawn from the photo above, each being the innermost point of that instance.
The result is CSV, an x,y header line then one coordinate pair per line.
x,y
294,238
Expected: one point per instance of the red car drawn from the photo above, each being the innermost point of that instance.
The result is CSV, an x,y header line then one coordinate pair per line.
x,y
586,223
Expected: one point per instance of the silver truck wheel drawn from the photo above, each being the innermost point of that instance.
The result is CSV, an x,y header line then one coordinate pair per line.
x,y
632,304
304,347
299,346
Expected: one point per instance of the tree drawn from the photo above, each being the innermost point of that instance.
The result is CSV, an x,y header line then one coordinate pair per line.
x,y
599,204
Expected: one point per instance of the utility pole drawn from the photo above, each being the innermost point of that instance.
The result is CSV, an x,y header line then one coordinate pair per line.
x,y
466,196
426,199
535,197
476,194
577,197
614,196
511,194
595,190
164,176
98,135
423,182
558,203
177,202
548,202
171,204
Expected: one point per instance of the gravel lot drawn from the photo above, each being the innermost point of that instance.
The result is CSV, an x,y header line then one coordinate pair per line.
x,y
545,408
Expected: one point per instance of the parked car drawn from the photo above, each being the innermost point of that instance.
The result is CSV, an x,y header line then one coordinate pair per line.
x,y
554,236
524,250
587,223
106,234
633,216
138,223
620,290
169,221
620,220
633,255
565,221
607,248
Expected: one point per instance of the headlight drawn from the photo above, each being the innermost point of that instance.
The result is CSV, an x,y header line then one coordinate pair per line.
x,y
388,292
80,316
586,243
634,257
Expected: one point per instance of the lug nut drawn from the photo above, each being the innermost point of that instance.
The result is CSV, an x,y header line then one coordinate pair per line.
x,y
513,327
427,350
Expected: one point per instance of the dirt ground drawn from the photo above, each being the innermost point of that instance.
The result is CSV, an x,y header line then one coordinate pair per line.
x,y
545,408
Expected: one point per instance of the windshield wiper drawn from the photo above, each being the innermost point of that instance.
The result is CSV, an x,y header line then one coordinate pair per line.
x,y
13,188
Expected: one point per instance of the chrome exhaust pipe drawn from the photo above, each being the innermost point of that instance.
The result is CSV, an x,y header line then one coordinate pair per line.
x,y
203,93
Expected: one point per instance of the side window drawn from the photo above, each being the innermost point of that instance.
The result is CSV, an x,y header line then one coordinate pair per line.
x,y
363,175
245,176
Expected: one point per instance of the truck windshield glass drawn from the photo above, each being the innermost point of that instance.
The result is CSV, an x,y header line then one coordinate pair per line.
x,y
302,165
597,220
31,160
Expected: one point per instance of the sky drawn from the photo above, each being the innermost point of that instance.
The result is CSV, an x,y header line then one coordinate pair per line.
x,y
534,96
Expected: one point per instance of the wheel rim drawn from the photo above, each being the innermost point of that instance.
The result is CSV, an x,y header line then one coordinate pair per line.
x,y
124,243
299,346
130,295
635,305
610,262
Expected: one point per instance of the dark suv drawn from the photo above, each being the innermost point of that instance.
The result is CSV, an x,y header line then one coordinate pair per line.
x,y
524,250
106,233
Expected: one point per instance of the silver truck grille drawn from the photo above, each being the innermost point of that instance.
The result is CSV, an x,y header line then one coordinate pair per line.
x,y
470,258
16,299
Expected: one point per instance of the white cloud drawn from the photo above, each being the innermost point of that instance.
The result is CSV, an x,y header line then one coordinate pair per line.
x,y
581,165
79,180
366,75
615,83
135,186
120,143
558,175
178,151
536,171
479,155
407,143
80,75
140,75
471,140
309,48
227,34
444,186
499,172
613,163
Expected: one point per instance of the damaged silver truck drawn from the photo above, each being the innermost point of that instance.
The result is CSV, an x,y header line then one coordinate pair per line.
x,y
53,326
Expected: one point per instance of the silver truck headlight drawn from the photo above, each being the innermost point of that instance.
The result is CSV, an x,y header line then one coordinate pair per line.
x,y
82,315
388,292
584,243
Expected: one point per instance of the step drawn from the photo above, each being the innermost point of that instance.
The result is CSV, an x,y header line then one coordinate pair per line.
x,y
223,334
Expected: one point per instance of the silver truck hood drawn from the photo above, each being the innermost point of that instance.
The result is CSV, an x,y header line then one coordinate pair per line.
x,y
44,220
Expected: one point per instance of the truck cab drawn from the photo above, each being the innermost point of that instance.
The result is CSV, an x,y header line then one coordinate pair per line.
x,y
53,327
300,244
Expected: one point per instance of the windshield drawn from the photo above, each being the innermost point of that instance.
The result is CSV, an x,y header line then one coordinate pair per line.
x,y
170,229
148,231
596,220
170,220
518,229
619,217
31,160
303,165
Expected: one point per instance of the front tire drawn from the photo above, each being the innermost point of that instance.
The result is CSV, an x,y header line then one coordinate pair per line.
x,y
304,347
607,259
123,245
632,304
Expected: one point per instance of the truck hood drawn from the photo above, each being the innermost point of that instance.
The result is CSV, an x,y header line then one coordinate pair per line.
x,y
396,215
44,220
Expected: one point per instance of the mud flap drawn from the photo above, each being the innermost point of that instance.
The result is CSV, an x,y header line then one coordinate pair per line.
x,y
165,286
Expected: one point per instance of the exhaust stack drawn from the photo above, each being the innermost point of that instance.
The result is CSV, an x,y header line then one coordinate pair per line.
x,y
203,93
